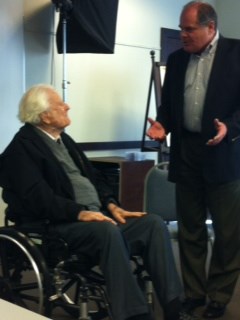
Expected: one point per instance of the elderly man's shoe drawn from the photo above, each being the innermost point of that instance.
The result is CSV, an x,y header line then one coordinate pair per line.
x,y
214,310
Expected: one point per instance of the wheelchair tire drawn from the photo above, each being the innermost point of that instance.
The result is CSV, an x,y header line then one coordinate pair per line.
x,y
24,276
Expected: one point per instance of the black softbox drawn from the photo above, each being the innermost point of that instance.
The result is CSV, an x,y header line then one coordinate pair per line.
x,y
91,26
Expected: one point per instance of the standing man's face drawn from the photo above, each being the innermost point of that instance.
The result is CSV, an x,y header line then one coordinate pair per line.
x,y
195,37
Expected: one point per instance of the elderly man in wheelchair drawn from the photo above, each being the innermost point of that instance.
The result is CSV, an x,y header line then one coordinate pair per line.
x,y
49,184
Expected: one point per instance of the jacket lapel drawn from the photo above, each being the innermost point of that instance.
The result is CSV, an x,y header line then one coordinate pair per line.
x,y
216,77
28,132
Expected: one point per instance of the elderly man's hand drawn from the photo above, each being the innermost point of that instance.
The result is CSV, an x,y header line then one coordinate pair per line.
x,y
120,215
94,216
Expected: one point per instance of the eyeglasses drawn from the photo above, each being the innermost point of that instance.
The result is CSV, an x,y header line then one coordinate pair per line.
x,y
190,30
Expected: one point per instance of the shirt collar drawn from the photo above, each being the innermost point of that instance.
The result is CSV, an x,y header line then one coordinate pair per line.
x,y
48,134
210,49
212,46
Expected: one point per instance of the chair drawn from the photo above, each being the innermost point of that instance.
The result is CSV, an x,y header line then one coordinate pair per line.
x,y
38,273
159,198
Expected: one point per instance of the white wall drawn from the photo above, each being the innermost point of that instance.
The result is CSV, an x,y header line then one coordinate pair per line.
x,y
107,93
39,39
11,66
229,22
111,91
12,71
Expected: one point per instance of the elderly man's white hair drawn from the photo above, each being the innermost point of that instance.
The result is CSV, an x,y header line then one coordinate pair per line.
x,y
33,103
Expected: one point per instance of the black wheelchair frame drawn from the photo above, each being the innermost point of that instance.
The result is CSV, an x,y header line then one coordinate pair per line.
x,y
27,279
37,273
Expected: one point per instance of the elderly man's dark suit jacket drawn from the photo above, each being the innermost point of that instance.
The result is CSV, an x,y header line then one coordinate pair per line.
x,y
222,162
35,185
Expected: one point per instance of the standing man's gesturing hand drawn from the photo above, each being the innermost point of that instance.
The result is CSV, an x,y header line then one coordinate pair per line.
x,y
156,131
221,133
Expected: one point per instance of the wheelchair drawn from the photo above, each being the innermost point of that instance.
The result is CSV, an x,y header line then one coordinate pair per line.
x,y
38,272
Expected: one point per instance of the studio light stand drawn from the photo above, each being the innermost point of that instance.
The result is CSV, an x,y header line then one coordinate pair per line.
x,y
64,7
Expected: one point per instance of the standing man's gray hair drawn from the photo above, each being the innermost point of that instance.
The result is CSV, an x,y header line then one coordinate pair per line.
x,y
206,12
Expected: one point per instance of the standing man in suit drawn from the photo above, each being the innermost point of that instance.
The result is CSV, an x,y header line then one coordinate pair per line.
x,y
201,109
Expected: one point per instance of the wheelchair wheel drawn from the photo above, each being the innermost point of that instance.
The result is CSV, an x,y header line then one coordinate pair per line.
x,y
83,296
24,277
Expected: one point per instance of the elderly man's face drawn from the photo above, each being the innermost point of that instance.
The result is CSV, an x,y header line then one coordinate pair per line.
x,y
195,37
57,116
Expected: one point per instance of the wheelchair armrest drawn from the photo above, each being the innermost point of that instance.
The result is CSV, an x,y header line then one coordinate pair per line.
x,y
53,249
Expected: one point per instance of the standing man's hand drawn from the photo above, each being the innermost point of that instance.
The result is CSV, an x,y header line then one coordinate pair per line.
x,y
156,131
221,133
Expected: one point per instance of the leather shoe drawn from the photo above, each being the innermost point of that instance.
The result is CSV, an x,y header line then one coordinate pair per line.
x,y
172,309
144,316
189,317
190,304
214,310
